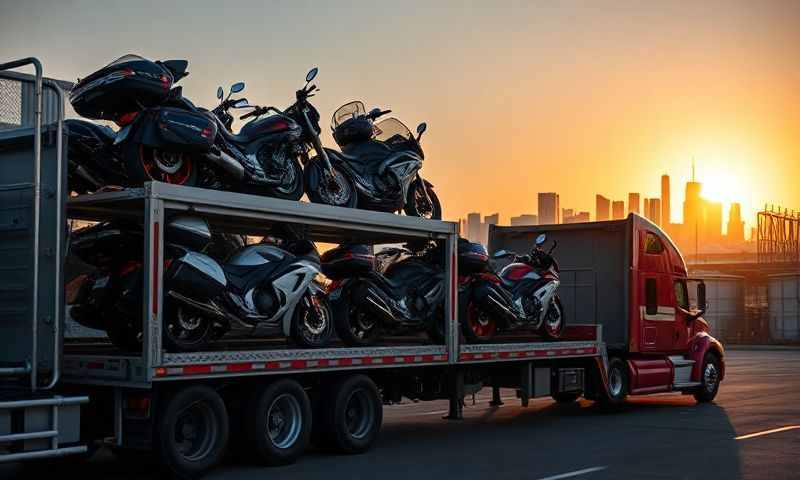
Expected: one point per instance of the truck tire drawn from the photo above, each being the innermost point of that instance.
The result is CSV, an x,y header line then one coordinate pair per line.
x,y
352,421
191,431
277,422
709,378
618,383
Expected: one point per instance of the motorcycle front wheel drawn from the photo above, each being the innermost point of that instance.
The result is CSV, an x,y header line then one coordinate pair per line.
x,y
419,206
478,326
153,164
553,326
184,329
312,326
338,189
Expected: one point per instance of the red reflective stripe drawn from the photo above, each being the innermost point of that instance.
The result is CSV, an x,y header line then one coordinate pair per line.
x,y
195,369
345,361
155,274
273,365
388,359
239,367
298,364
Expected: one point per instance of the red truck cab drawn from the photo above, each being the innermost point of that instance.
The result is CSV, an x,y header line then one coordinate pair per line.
x,y
628,276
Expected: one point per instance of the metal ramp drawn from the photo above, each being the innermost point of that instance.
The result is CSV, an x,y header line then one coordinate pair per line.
x,y
34,422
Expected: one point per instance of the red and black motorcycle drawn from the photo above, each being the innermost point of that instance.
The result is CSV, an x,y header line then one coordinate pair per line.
x,y
523,295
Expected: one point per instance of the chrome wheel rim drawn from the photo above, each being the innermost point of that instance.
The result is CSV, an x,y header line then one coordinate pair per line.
x,y
315,319
615,382
168,162
359,416
710,377
553,317
284,421
195,431
335,189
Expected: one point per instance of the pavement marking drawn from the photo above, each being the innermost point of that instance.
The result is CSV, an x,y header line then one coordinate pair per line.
x,y
767,432
574,473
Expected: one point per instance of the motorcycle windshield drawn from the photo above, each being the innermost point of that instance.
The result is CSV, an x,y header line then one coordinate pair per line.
x,y
346,112
396,135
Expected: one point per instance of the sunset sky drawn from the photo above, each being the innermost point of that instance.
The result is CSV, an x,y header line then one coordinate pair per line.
x,y
520,97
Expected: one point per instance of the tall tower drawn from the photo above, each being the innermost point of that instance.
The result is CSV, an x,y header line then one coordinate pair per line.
x,y
665,202
549,209
618,209
633,203
735,225
693,213
602,208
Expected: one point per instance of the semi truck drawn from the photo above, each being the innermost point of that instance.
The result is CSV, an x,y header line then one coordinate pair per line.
x,y
629,329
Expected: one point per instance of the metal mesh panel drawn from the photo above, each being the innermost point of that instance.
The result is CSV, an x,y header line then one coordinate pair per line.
x,y
10,104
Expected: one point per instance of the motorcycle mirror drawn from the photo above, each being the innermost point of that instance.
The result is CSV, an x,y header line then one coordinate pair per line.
x,y
241,103
311,74
375,113
219,93
500,254
421,128
237,87
541,239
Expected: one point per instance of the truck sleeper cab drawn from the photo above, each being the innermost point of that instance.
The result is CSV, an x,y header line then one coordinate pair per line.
x,y
628,276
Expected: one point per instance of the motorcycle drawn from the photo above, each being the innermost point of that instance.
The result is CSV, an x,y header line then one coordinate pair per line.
x,y
522,296
106,294
263,289
407,296
383,159
300,126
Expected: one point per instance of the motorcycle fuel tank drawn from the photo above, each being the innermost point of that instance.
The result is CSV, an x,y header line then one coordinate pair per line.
x,y
257,255
515,272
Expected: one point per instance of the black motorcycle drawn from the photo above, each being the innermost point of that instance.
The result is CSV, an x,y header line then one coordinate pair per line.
x,y
407,296
523,295
383,159
106,290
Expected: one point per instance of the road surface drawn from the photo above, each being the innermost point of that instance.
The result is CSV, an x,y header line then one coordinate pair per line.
x,y
746,433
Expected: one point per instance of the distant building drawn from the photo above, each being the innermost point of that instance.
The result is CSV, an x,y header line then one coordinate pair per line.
x,y
524,220
713,222
618,209
579,217
633,203
492,219
473,227
735,224
566,213
665,202
549,208
602,208
652,210
692,212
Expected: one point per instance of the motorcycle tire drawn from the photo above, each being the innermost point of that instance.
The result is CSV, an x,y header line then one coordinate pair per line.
x,y
348,319
319,192
143,165
292,191
123,336
478,326
185,330
553,331
312,325
414,201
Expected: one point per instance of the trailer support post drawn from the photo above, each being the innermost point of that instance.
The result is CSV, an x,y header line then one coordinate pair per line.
x,y
455,395
496,400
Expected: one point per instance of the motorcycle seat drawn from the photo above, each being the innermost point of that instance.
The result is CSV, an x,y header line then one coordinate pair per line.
x,y
240,139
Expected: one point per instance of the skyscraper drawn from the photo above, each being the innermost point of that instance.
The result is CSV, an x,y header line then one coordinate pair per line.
x,y
549,208
633,203
692,215
713,222
473,226
735,224
618,209
665,202
566,213
602,208
652,210
492,219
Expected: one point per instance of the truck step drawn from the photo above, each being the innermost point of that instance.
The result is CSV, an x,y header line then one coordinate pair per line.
x,y
680,386
679,361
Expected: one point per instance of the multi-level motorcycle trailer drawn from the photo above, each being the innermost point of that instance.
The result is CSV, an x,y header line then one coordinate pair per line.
x,y
262,395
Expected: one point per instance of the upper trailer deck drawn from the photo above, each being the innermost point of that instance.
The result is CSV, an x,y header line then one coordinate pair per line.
x,y
254,215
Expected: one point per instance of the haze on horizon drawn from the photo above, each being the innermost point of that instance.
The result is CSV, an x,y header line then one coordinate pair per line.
x,y
520,97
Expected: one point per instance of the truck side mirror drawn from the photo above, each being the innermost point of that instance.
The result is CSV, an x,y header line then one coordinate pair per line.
x,y
650,296
701,296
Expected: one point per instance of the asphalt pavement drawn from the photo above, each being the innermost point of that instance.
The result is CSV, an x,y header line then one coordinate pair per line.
x,y
751,431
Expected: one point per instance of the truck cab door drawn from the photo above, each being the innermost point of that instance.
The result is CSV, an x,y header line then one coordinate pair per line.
x,y
682,331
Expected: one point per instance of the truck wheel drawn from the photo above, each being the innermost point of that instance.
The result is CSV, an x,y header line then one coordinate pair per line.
x,y
566,397
709,379
277,422
618,383
191,431
353,419
479,326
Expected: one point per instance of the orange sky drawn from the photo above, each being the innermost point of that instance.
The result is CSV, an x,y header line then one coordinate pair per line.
x,y
520,97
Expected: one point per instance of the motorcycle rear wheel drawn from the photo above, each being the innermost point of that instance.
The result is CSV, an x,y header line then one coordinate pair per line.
x,y
152,164
418,206
293,190
478,326
339,191
553,325
357,327
185,330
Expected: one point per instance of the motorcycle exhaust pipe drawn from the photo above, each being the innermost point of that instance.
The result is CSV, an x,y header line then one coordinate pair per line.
x,y
488,300
200,306
379,306
84,174
227,163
